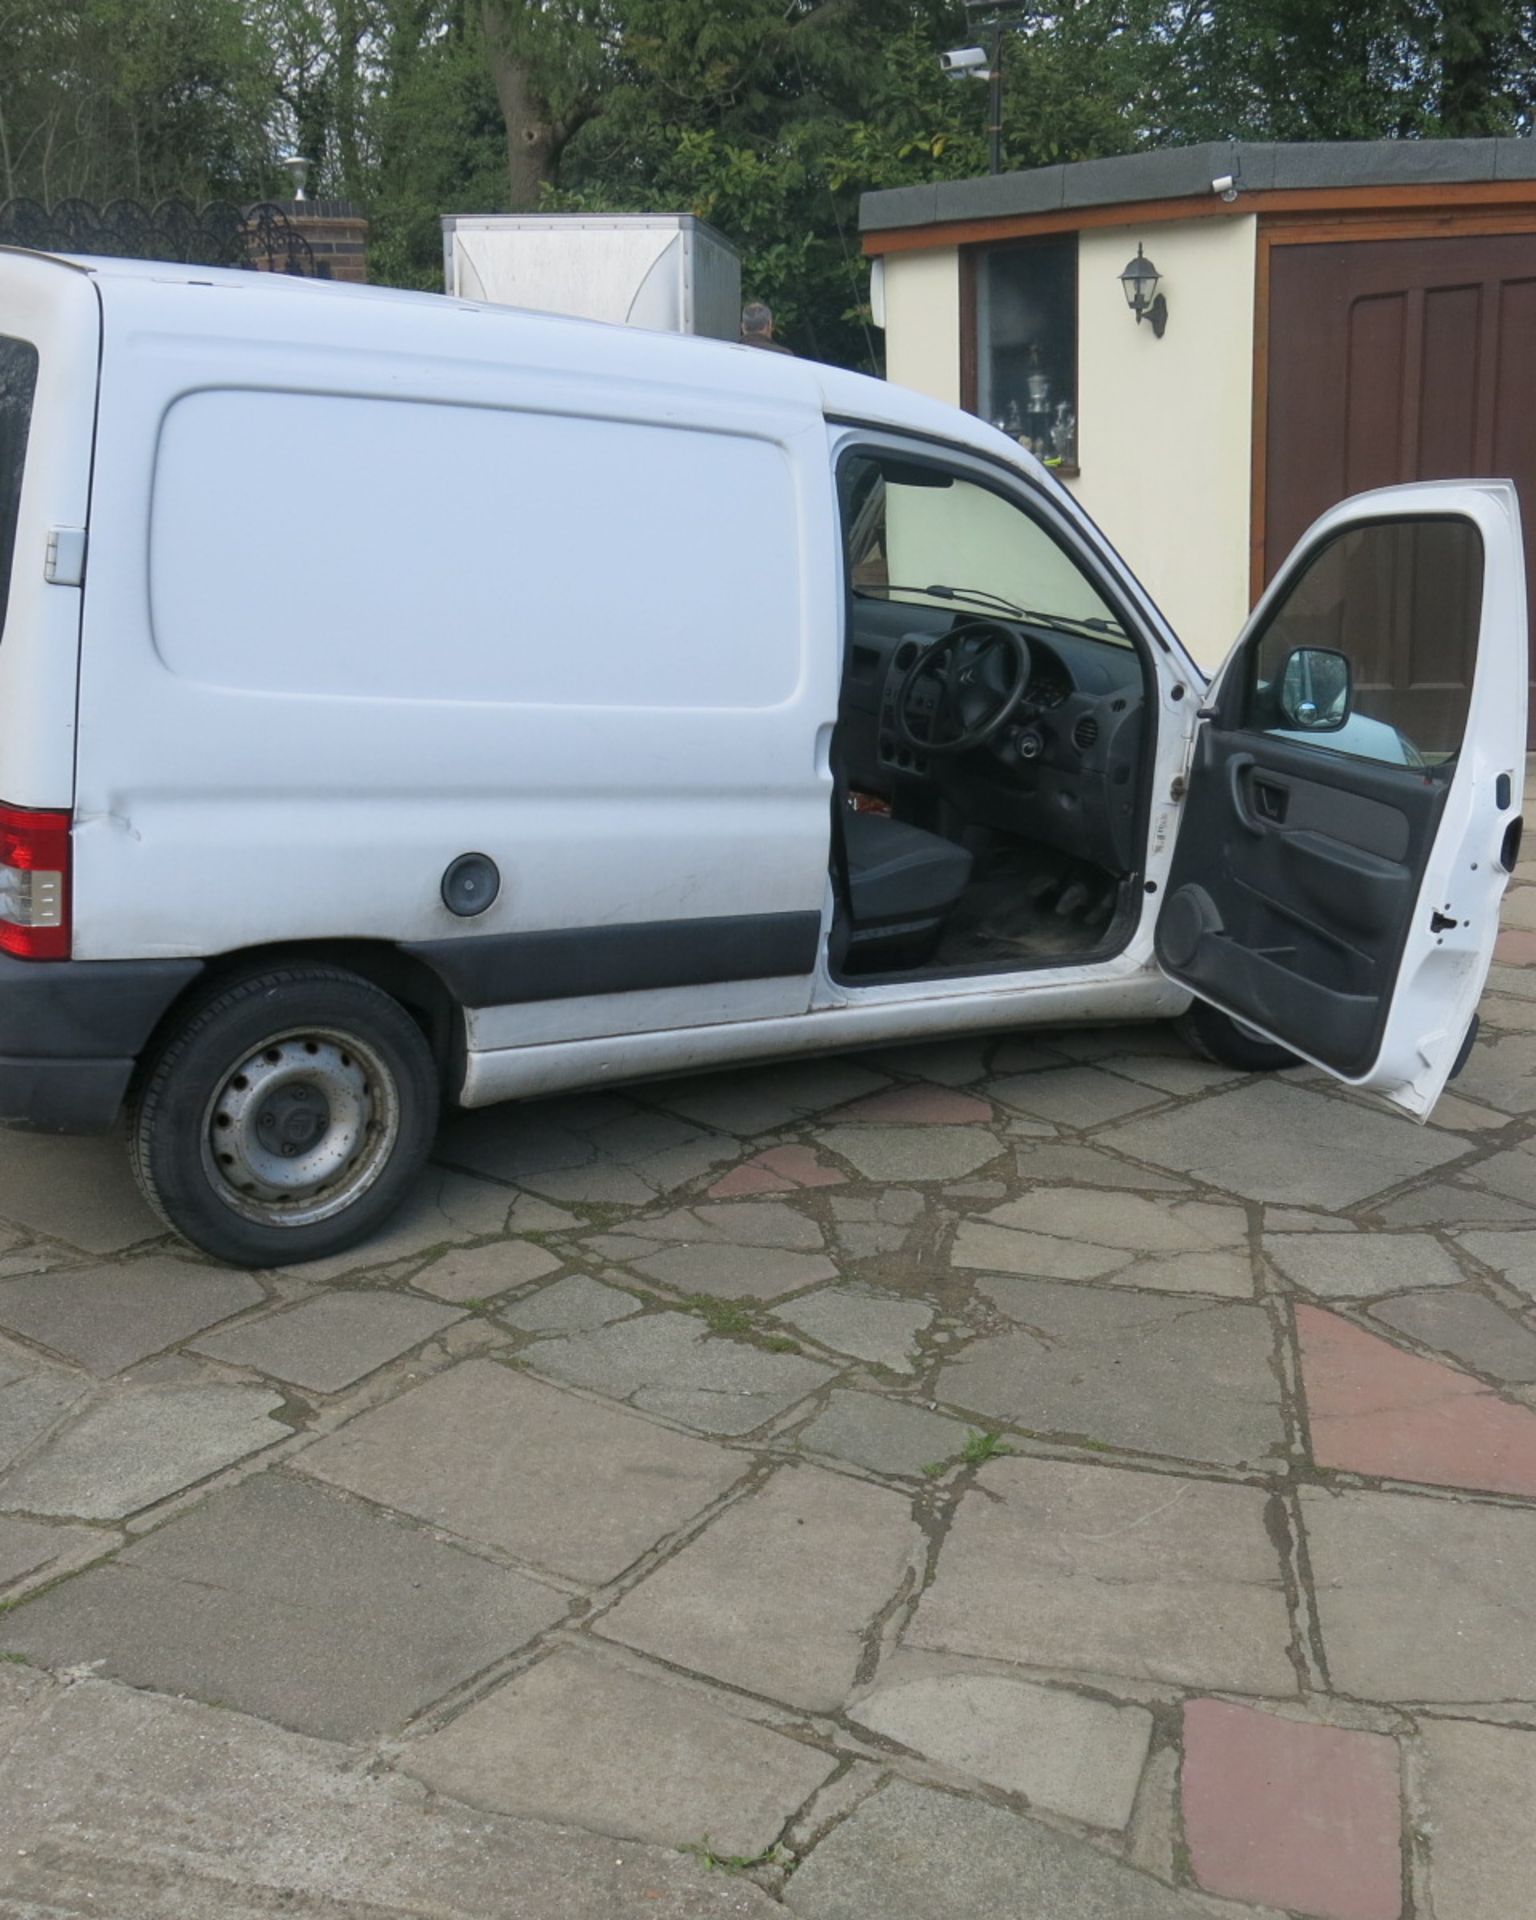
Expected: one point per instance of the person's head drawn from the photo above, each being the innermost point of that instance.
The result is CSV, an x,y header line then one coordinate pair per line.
x,y
757,317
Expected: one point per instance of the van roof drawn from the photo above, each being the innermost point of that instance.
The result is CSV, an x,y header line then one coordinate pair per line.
x,y
331,312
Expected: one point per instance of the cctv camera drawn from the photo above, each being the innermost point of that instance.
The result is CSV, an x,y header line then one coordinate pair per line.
x,y
963,60
1226,185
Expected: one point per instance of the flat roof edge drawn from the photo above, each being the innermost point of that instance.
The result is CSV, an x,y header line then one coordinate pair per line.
x,y
1176,173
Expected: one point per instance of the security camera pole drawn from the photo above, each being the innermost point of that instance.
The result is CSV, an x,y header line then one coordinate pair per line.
x,y
994,75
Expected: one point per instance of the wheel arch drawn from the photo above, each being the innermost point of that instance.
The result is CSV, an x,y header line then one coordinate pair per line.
x,y
406,979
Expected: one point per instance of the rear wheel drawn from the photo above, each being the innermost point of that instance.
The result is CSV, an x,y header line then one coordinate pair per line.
x,y
285,1116
1217,1036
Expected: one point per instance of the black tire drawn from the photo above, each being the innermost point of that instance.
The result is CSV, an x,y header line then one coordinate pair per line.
x,y
1216,1036
283,1115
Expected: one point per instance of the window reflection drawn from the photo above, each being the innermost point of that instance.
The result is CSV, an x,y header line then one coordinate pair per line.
x,y
1026,344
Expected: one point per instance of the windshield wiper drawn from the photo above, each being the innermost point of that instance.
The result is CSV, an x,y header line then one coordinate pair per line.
x,y
1060,622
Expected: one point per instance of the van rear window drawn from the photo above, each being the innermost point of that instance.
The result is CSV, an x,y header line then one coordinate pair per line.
x,y
18,383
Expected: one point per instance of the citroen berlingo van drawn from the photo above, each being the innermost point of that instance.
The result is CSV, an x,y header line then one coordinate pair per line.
x,y
406,702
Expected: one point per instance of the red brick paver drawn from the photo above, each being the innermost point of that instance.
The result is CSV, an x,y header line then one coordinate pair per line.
x,y
1374,1409
1515,947
779,1170
1292,1814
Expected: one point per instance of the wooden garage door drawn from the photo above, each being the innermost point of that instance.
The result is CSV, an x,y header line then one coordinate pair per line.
x,y
1393,360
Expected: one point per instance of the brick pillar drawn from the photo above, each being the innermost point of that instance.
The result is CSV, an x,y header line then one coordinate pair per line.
x,y
337,232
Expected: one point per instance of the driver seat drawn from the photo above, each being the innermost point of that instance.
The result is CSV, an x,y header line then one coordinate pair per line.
x,y
902,884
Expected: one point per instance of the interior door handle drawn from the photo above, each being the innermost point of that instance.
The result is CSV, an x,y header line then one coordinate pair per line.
x,y
1237,768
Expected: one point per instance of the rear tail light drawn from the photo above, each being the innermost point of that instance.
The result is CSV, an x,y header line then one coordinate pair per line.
x,y
34,884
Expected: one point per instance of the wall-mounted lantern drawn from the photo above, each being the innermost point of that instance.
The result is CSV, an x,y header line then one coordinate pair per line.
x,y
1141,295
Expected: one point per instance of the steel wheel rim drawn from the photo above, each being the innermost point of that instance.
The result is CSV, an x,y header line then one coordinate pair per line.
x,y
300,1127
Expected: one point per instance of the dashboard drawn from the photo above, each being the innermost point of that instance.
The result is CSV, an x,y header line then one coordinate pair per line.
x,y
1062,771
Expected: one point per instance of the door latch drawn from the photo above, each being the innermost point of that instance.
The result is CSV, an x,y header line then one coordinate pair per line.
x,y
65,563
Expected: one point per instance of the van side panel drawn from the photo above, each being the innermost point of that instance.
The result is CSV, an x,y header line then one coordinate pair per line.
x,y
54,308
363,608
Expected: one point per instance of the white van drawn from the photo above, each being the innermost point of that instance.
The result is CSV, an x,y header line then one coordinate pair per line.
x,y
405,701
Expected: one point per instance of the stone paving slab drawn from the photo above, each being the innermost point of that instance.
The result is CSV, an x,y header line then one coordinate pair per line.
x,y
777,1170
1105,1570
1468,1327
106,1318
879,1328
446,1209
137,1446
1082,1233
1359,1266
574,1305
32,1405
778,1594
78,1190
1502,1075
176,1811
884,1436
586,1149
1480,1796
1064,1163
635,1755
735,1273
480,1273
734,1223
911,1853
327,1343
907,1153
1512,1256
291,1603
1073,1096
951,1063
27,1546
1401,1619
563,1483
1155,1373
775,1096
1509,1175
1062,1751
1445,1203
670,1363
1270,1141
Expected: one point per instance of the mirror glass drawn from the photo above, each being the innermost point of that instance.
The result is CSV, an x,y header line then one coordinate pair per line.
x,y
1314,690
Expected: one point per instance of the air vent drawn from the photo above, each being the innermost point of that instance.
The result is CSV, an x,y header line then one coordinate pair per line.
x,y
906,653
1085,733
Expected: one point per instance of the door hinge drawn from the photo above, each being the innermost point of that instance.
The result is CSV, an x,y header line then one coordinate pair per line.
x,y
65,564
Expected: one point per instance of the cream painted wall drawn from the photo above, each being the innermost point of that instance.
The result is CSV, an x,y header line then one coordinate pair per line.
x,y
922,322
1165,427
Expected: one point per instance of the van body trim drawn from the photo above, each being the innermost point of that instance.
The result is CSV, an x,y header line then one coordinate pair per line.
x,y
570,963
85,1009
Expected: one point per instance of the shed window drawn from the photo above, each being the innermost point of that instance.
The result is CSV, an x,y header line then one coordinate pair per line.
x,y
1026,344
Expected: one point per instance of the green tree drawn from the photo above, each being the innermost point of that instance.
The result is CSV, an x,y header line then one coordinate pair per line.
x,y
100,98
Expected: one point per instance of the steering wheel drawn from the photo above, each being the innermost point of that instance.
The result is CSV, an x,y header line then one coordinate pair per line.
x,y
961,690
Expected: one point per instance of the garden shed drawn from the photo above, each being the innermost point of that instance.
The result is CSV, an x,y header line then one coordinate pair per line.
x,y
1325,318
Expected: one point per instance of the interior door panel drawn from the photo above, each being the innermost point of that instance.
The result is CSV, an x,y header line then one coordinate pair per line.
x,y
1292,886
1353,798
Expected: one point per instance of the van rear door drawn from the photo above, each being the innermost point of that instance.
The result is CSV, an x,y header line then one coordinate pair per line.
x,y
50,342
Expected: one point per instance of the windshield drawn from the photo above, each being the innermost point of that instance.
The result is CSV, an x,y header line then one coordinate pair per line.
x,y
18,384
930,537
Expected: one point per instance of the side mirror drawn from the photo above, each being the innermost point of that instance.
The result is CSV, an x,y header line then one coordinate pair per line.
x,y
1314,693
